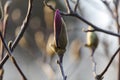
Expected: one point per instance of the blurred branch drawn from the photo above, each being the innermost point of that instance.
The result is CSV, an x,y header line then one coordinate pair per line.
x,y
11,57
116,17
93,64
2,13
68,6
116,3
76,6
61,68
5,15
108,7
88,30
100,76
20,34
23,26
74,14
50,6
3,22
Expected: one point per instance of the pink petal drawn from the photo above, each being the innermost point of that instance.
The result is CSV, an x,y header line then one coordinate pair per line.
x,y
57,25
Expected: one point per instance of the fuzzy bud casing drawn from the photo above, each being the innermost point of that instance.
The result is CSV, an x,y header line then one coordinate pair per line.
x,y
92,39
60,35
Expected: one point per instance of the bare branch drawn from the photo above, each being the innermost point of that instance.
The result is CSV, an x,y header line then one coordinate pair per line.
x,y
1,8
20,34
50,6
93,66
108,7
88,30
68,6
76,5
61,68
100,76
116,3
93,62
5,18
74,14
12,58
23,26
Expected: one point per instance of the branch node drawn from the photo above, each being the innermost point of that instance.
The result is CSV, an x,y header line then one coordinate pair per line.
x,y
99,77
88,30
76,5
10,44
50,6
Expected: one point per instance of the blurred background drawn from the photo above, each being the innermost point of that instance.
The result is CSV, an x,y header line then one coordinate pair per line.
x,y
32,53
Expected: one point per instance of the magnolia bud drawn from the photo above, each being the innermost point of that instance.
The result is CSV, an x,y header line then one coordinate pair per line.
x,y
92,39
60,35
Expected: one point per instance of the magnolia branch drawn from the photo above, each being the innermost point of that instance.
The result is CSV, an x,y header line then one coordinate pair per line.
x,y
12,58
75,14
96,28
100,76
76,6
62,71
20,34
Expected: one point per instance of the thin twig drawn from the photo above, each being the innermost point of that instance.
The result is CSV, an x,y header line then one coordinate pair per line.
x,y
68,6
20,34
88,30
74,14
23,26
92,25
2,29
116,3
76,6
5,18
3,22
12,58
2,14
61,68
100,76
108,7
94,66
93,63
50,6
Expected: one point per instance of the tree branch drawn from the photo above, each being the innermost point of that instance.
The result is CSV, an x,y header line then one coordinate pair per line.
x,y
59,62
76,5
3,22
96,28
12,58
93,63
100,76
108,7
68,6
20,34
74,14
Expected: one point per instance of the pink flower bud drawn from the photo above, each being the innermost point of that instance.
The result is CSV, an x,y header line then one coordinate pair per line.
x,y
57,26
60,36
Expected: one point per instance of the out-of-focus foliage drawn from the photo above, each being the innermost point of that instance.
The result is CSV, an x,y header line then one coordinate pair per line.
x,y
75,49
